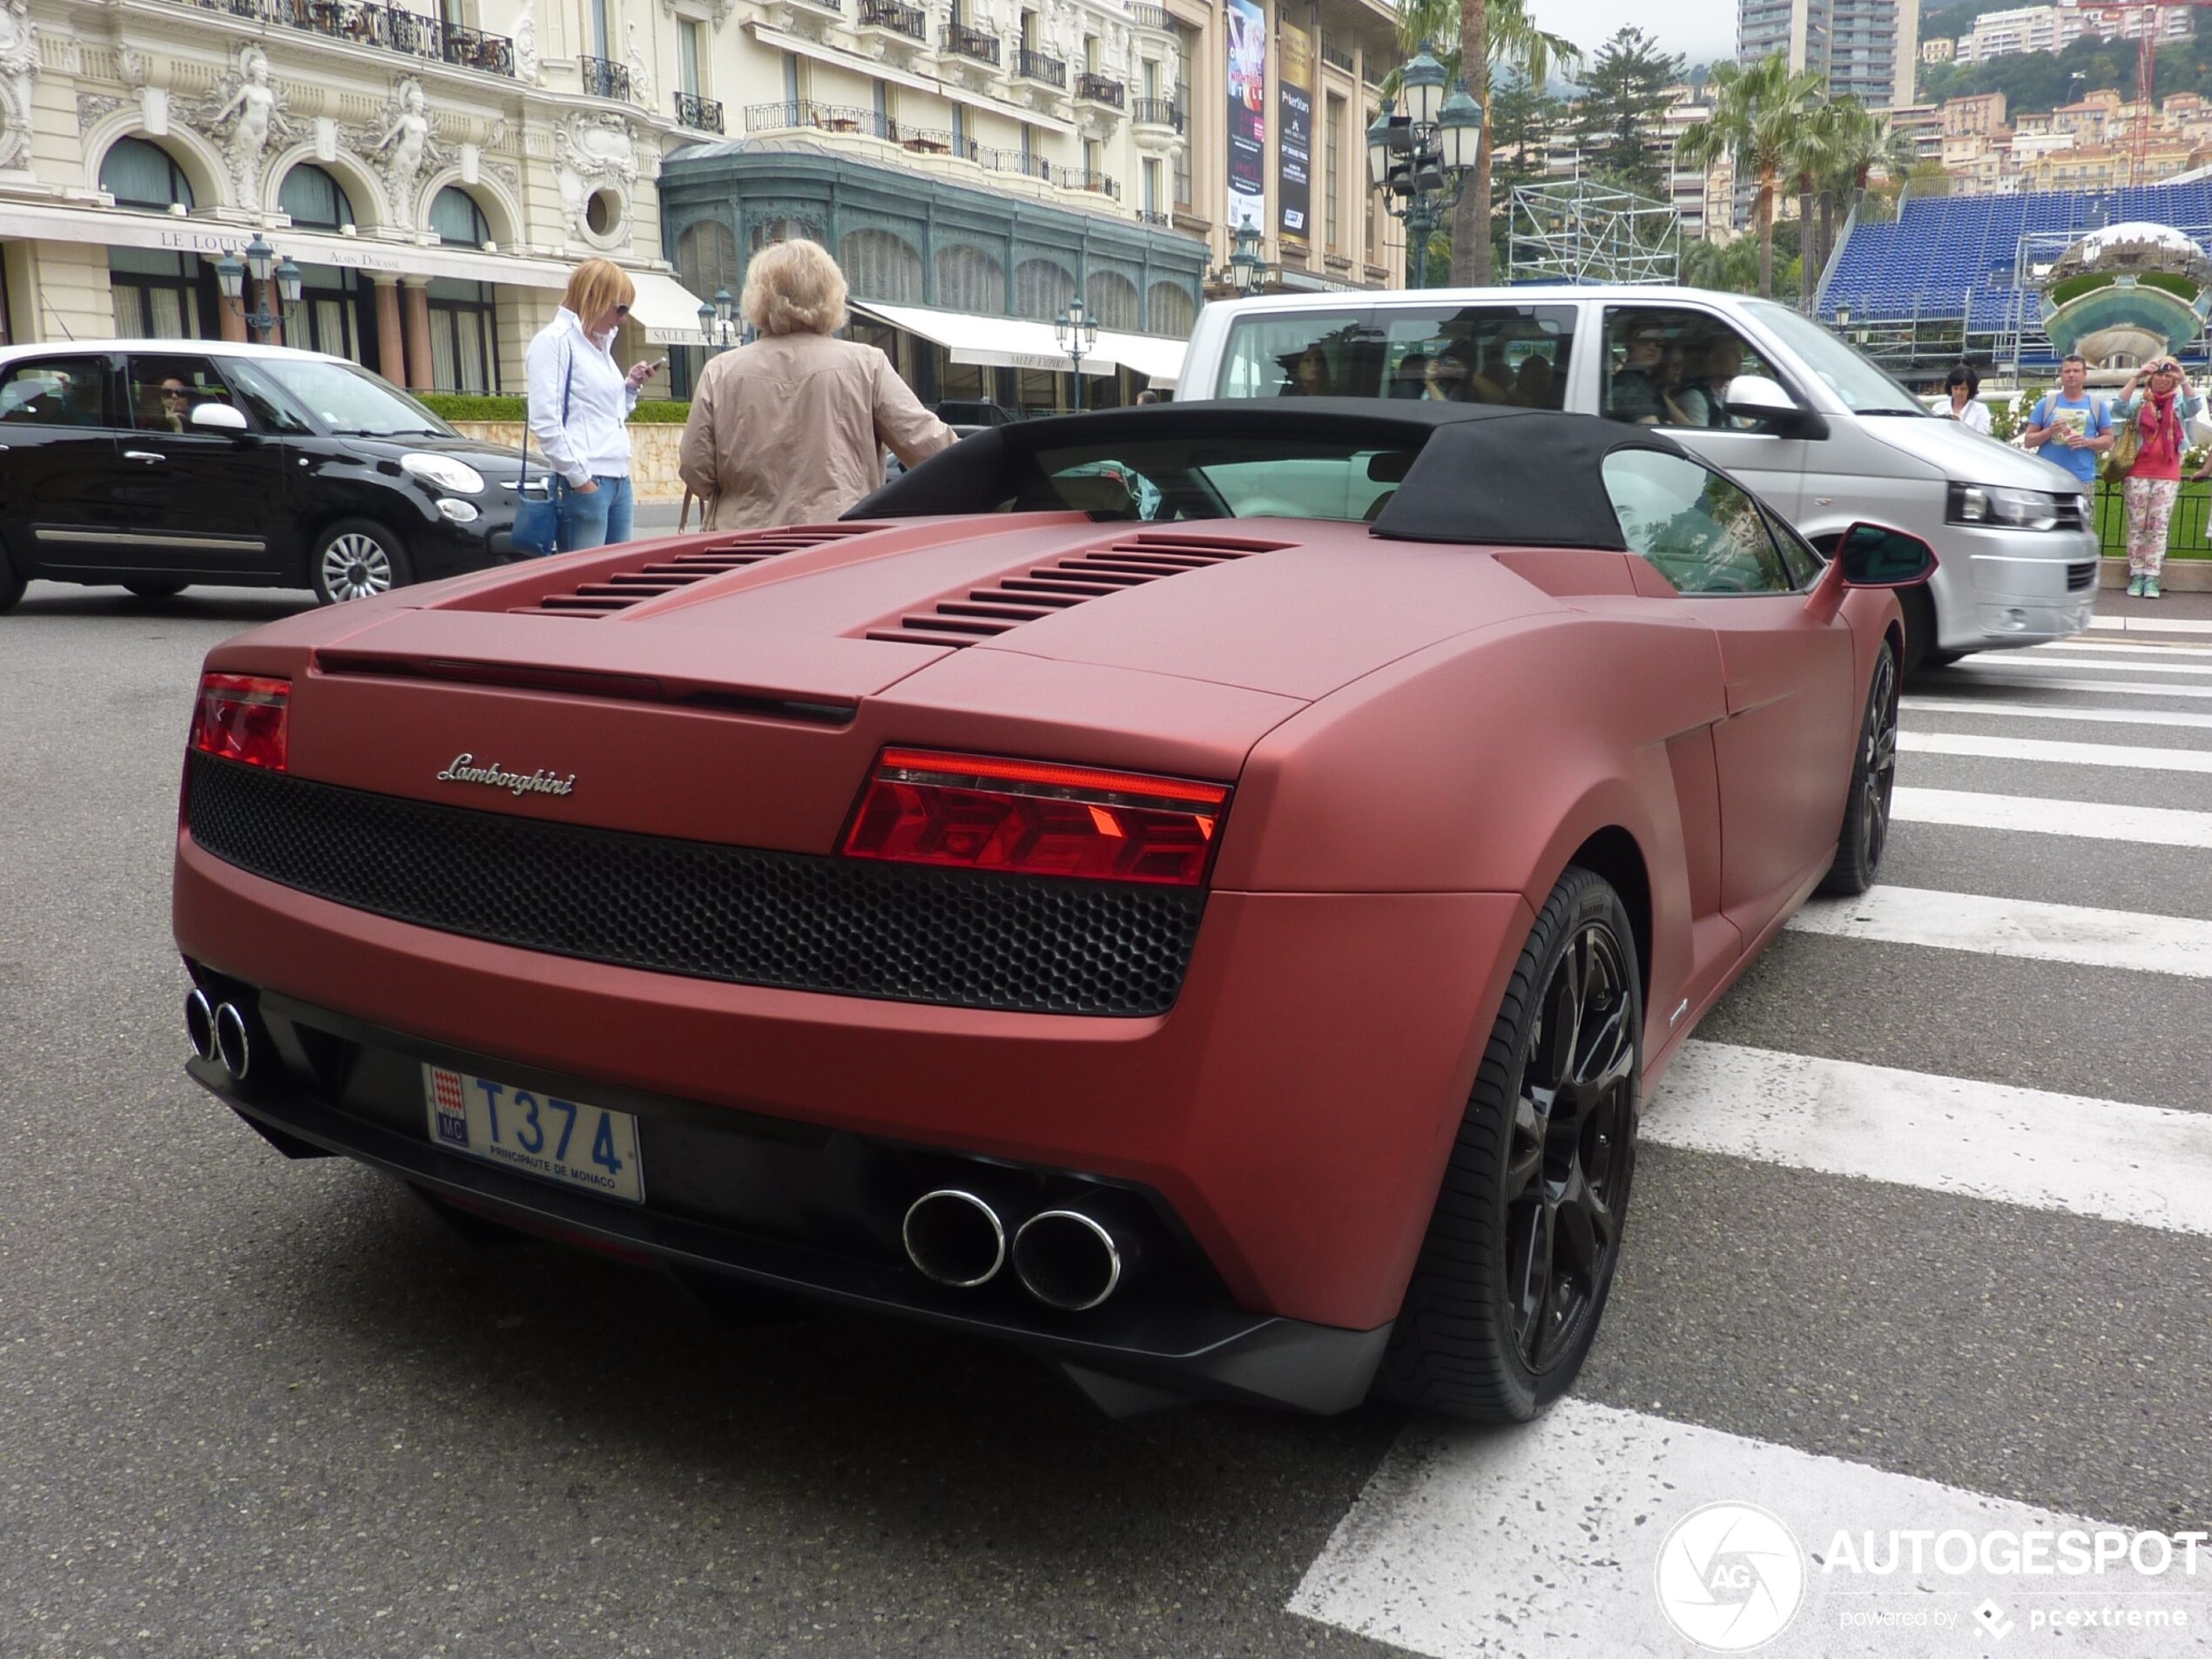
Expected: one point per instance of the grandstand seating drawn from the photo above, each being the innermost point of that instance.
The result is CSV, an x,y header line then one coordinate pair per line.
x,y
1954,259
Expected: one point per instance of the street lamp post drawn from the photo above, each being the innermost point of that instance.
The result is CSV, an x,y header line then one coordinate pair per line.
x,y
261,265
1076,333
718,322
1247,269
1421,160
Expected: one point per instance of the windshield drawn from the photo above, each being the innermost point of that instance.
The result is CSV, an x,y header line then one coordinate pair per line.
x,y
349,400
1161,481
1864,388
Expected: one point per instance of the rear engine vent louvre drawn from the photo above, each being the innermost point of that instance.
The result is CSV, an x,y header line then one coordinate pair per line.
x,y
983,612
622,589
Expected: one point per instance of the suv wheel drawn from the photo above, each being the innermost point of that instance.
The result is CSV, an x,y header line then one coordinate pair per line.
x,y
356,559
11,585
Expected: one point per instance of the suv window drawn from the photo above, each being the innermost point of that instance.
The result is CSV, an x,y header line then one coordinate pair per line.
x,y
1492,353
1666,367
164,389
1702,533
257,393
53,391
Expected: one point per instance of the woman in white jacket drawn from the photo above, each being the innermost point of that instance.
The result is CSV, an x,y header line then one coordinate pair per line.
x,y
580,405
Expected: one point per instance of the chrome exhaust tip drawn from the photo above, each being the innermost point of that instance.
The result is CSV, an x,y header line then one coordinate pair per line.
x,y
1067,1259
232,1047
954,1238
199,1023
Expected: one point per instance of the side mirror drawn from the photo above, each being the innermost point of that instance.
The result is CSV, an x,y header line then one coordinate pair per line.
x,y
218,417
1753,397
1873,556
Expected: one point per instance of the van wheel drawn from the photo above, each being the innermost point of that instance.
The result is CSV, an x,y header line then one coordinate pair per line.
x,y
357,559
150,588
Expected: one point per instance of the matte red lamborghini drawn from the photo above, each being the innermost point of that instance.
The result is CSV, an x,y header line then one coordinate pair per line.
x,y
1197,891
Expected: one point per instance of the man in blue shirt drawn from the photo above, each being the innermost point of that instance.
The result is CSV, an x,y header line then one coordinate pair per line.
x,y
2068,427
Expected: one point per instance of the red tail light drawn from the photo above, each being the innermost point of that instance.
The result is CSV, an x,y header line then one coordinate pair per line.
x,y
1031,818
245,717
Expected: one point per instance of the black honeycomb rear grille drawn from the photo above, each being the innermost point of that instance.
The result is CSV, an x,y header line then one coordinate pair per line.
x,y
741,915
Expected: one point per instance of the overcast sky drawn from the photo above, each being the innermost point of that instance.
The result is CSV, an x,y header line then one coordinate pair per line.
x,y
1702,30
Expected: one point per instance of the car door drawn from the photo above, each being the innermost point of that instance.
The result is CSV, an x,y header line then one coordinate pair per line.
x,y
1668,365
1782,752
200,503
57,463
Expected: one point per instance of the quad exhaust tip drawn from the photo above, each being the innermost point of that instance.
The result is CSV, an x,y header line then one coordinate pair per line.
x,y
1067,1259
954,1238
199,1024
232,1045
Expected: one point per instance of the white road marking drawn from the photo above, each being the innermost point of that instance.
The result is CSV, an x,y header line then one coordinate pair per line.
x,y
2100,665
2149,625
1544,1539
1988,674
2073,754
2092,820
2116,647
2149,1165
2020,928
2056,712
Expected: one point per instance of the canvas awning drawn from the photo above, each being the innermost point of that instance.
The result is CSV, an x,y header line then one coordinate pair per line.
x,y
1014,342
668,311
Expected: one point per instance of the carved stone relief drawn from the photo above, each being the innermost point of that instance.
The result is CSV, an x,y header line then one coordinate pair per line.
x,y
19,79
593,151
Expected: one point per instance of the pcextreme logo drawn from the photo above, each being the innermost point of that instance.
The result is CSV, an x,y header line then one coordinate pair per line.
x,y
1731,1577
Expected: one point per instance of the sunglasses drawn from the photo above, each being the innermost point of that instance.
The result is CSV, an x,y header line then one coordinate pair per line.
x,y
174,391
622,311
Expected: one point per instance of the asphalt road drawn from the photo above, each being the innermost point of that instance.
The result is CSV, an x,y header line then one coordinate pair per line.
x,y
249,1406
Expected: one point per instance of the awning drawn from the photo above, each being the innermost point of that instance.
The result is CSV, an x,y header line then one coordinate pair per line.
x,y
668,310
1013,342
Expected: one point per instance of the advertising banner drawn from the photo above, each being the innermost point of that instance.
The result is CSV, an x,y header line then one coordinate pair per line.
x,y
1295,88
1247,113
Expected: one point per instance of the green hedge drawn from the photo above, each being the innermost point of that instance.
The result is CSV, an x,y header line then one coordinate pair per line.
x,y
461,406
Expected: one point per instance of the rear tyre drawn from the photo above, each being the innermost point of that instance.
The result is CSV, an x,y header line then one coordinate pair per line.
x,y
357,559
1865,832
1520,1257
153,590
11,585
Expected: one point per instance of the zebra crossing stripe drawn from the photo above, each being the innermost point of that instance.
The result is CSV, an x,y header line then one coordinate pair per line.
x,y
2071,754
2149,1165
2017,927
1548,1539
2150,625
2119,647
2056,712
1983,674
2102,665
2095,820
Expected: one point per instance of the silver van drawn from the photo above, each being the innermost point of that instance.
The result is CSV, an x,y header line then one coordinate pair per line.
x,y
1751,386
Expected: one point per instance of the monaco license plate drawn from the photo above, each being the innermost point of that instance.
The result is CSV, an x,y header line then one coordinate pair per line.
x,y
537,1133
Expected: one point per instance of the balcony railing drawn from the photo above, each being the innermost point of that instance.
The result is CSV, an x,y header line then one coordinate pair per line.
x,y
700,114
1152,17
1098,90
821,117
1154,216
1035,66
387,27
899,19
1156,112
1337,56
604,79
964,42
1083,178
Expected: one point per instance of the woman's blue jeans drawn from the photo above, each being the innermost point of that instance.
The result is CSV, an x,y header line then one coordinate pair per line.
x,y
596,518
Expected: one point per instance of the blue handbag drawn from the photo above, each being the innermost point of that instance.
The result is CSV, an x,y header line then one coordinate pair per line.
x,y
537,518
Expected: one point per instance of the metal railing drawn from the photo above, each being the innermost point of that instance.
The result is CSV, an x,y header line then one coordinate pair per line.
x,y
1085,179
390,28
700,114
1156,112
1153,216
603,79
2188,532
964,42
824,118
1035,66
899,19
1098,89
1337,56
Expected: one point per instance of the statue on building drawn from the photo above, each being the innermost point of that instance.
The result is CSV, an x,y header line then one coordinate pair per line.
x,y
405,145
19,79
248,115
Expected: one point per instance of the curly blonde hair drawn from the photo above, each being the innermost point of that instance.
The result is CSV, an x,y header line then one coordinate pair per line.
x,y
794,288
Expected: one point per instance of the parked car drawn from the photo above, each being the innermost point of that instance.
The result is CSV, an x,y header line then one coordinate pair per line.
x,y
157,463
974,414
1798,415
1098,917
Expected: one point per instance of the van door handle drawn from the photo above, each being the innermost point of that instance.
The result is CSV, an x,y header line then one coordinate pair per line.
x,y
143,455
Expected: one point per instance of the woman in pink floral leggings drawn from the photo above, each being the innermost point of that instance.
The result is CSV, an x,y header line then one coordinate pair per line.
x,y
2158,400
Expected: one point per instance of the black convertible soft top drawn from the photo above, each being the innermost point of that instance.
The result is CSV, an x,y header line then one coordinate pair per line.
x,y
1483,473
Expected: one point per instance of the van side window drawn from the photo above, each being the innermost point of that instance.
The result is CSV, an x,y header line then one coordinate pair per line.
x,y
1701,532
1488,353
1671,367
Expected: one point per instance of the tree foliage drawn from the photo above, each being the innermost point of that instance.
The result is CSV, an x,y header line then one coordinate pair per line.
x,y
1766,117
2035,82
1623,95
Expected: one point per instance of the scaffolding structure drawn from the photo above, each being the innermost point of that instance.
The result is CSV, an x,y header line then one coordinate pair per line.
x,y
1576,230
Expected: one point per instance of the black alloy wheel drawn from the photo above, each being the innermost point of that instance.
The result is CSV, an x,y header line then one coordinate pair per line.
x,y
1521,1254
356,558
1866,834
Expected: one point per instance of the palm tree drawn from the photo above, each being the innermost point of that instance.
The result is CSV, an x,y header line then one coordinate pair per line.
x,y
1760,117
1483,33
1858,141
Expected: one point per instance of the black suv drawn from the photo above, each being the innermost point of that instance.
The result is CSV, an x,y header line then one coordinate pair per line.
x,y
161,463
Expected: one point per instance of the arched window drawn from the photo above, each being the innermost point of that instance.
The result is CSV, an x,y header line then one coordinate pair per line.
x,y
1043,288
138,174
457,219
315,200
879,265
969,279
1173,310
1111,298
706,259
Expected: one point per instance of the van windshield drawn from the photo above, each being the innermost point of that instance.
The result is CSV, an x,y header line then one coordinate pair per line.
x,y
1864,389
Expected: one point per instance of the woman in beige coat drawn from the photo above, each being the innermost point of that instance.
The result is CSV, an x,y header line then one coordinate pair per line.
x,y
790,429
